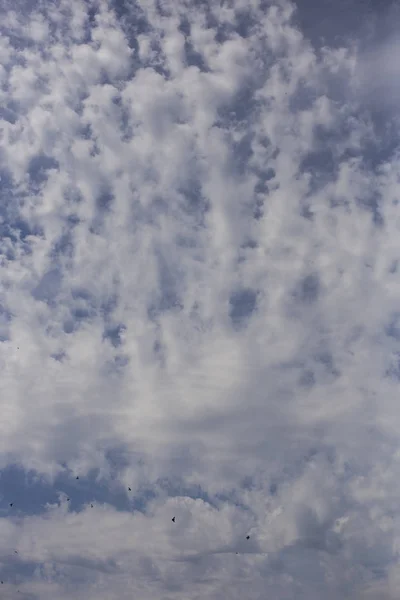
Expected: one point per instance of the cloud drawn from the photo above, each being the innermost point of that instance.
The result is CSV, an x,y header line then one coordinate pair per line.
x,y
198,300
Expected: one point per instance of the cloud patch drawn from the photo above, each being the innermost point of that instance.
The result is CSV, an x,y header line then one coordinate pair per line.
x,y
198,303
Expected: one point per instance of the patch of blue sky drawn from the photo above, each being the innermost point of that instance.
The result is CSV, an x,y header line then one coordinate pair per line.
x,y
31,494
242,305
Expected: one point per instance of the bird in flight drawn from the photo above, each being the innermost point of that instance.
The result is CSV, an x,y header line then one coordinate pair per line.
x,y
91,506
77,477
247,537
15,552
11,503
129,489
67,499
173,519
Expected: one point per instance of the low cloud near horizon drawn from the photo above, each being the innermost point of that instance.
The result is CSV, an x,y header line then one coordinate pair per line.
x,y
199,301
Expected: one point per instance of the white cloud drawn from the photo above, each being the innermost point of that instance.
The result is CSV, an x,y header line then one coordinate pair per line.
x,y
199,269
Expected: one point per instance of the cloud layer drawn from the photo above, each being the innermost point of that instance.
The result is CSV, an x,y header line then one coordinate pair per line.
x,y
198,300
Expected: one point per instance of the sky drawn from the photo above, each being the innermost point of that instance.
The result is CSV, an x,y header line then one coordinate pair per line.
x,y
199,299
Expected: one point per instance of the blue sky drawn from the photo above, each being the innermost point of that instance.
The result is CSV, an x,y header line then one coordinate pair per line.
x,y
199,300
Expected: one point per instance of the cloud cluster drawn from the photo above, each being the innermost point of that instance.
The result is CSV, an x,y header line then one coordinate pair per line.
x,y
199,274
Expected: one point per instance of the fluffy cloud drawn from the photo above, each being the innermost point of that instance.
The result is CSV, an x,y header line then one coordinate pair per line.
x,y
198,300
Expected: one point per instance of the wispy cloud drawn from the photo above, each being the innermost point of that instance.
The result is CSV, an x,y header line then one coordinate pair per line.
x,y
199,301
